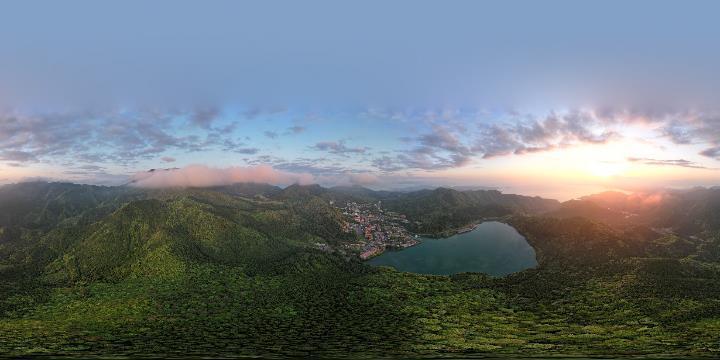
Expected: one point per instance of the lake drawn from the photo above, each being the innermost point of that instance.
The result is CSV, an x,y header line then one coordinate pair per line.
x,y
492,247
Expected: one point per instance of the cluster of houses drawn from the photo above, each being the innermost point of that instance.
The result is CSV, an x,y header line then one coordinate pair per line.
x,y
376,228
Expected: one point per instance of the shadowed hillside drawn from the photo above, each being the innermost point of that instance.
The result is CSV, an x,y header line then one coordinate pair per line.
x,y
688,212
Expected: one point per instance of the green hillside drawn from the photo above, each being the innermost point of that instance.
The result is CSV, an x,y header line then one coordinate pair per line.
x,y
218,273
441,211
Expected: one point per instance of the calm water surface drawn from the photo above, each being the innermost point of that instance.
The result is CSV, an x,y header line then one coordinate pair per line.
x,y
493,248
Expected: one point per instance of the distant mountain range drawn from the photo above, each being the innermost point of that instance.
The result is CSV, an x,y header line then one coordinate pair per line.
x,y
41,204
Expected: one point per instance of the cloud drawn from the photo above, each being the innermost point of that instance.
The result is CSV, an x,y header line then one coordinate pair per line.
x,y
312,166
443,139
338,148
387,163
315,166
117,136
672,162
255,112
418,139
451,143
204,176
549,133
437,150
496,140
90,167
14,155
695,126
678,133
295,130
348,179
204,117
28,179
363,179
167,159
713,152
246,150
324,171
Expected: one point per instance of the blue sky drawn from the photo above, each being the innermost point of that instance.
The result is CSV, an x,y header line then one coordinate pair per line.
x,y
528,96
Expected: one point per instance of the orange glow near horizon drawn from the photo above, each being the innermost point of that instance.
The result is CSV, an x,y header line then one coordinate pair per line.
x,y
9,174
583,170
563,173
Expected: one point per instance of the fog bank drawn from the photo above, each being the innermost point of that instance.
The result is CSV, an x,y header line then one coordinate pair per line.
x,y
204,176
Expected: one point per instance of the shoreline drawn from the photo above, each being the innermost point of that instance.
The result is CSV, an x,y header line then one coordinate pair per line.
x,y
386,249
463,229
441,235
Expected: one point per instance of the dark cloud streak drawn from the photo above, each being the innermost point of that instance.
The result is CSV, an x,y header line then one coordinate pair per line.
x,y
338,148
673,162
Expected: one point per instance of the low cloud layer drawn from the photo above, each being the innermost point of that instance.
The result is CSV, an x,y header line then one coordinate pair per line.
x,y
204,176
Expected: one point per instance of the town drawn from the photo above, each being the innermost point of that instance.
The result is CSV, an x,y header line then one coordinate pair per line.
x,y
379,229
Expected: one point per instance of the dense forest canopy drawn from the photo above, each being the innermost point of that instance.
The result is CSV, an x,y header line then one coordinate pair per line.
x,y
223,271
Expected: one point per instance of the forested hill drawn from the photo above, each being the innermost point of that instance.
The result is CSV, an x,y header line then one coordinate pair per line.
x,y
432,212
441,210
691,212
237,271
42,205
90,232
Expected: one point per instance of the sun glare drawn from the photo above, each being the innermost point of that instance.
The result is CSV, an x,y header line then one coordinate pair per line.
x,y
606,169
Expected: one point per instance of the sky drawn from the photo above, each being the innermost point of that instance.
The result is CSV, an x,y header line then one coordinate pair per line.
x,y
551,98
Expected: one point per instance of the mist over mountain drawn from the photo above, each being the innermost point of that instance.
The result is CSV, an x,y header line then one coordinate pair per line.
x,y
688,212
